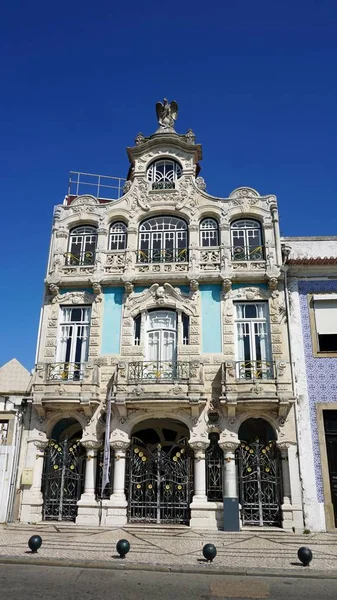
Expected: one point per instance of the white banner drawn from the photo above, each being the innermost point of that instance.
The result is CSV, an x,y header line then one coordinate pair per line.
x,y
106,458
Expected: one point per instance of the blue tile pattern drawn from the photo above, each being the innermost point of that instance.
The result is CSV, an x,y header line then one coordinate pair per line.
x,y
321,372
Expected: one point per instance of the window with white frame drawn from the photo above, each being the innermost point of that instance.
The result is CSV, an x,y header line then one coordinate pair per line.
x,y
118,236
82,246
209,233
252,341
325,312
163,174
163,239
157,318
73,343
246,239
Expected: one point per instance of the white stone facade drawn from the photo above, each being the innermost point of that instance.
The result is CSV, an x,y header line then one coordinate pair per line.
x,y
205,286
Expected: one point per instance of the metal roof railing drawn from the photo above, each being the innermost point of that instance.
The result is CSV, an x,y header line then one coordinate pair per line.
x,y
100,186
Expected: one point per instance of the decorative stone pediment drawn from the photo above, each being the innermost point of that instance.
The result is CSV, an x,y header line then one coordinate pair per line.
x,y
183,196
161,296
84,201
248,293
71,297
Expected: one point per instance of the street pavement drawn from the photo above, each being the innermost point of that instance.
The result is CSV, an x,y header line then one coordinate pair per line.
x,y
55,583
176,549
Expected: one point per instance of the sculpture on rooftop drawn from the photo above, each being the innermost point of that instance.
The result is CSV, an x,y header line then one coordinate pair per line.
x,y
167,113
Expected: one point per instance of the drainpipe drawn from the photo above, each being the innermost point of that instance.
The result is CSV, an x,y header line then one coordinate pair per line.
x,y
284,268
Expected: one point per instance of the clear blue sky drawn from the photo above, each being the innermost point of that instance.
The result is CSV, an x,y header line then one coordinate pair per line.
x,y
255,80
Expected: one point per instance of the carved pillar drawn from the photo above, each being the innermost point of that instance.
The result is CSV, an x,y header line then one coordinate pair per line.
x,y
120,448
199,449
292,511
115,509
90,469
285,473
230,484
88,505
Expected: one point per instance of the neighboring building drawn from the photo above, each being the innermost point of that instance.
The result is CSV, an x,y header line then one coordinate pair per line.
x,y
14,387
171,303
311,265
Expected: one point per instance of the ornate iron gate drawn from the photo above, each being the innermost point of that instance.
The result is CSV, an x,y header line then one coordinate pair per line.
x,y
63,480
260,483
159,483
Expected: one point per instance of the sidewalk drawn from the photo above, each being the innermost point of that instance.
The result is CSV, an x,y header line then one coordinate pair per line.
x,y
176,549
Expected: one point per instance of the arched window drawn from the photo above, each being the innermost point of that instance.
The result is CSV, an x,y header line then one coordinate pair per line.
x,y
82,246
118,236
246,236
209,235
163,174
163,239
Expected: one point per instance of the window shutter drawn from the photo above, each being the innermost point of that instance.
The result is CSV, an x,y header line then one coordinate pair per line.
x,y
325,315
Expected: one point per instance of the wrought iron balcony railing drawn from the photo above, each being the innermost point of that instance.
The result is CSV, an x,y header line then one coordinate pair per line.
x,y
65,371
247,253
79,259
158,371
254,369
169,255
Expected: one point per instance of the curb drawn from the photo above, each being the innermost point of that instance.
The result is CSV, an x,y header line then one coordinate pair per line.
x,y
211,569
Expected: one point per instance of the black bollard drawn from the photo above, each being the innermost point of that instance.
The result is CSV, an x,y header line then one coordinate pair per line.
x,y
305,556
122,548
35,543
209,552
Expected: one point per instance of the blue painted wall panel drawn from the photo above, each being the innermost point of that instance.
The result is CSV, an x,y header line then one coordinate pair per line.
x,y
211,318
112,320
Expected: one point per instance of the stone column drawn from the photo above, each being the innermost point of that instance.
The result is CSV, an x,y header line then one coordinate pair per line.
x,y
203,513
285,473
199,449
32,499
292,512
230,483
231,517
88,505
117,507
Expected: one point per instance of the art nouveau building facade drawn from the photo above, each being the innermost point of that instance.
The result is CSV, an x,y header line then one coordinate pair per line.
x,y
172,302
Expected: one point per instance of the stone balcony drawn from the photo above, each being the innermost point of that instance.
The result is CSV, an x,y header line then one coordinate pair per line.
x,y
136,264
150,381
257,383
64,382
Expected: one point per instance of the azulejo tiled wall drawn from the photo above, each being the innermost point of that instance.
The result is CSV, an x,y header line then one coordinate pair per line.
x,y
321,372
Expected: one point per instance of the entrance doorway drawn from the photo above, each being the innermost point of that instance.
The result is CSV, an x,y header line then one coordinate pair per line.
x,y
63,476
260,474
159,477
330,426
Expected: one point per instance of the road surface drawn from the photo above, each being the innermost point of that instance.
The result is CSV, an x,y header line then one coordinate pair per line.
x,y
29,582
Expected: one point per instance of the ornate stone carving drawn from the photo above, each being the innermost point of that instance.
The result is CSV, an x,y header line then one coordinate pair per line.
x,y
227,285
74,298
128,287
139,139
201,183
126,187
190,136
91,444
228,446
167,113
244,193
97,288
84,201
162,295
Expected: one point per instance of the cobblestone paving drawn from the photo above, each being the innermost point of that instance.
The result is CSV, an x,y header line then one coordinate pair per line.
x,y
171,547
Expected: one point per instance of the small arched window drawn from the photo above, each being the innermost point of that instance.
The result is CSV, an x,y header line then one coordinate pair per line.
x,y
246,237
163,174
163,239
209,233
118,235
82,246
